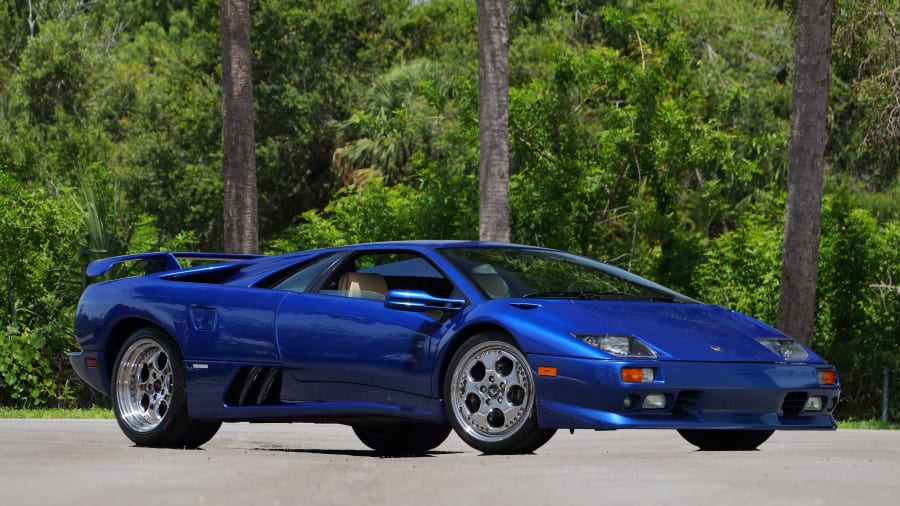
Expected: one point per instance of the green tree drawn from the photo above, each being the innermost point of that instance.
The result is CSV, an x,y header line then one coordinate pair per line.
x,y
858,326
399,119
313,59
865,132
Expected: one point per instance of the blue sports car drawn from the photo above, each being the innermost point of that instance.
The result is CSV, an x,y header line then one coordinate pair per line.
x,y
406,341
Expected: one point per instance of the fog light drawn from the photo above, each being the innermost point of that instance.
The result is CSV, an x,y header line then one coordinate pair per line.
x,y
814,403
654,401
637,374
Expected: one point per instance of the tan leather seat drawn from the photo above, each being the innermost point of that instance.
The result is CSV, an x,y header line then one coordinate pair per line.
x,y
363,285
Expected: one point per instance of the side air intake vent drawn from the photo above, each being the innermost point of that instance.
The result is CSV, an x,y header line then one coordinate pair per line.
x,y
255,386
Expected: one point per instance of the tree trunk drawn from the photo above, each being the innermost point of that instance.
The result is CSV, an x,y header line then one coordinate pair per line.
x,y
493,120
806,161
238,160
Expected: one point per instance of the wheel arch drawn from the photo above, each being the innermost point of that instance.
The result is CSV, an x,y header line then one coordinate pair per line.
x,y
120,332
459,339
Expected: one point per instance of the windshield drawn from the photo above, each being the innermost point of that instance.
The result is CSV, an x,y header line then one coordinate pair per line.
x,y
503,272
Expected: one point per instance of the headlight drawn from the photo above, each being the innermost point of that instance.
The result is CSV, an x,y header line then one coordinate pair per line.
x,y
784,347
620,346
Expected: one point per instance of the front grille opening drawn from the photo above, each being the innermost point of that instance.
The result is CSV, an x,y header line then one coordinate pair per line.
x,y
793,403
688,402
255,386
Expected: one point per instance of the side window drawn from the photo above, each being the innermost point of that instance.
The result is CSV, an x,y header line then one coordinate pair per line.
x,y
371,275
300,280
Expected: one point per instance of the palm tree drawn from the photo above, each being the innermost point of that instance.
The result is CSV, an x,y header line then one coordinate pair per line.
x,y
806,170
239,159
493,120
396,121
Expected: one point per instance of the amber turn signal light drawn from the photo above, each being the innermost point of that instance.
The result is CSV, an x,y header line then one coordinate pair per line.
x,y
637,374
827,376
547,371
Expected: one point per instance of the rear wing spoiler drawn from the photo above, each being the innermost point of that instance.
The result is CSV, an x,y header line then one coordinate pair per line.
x,y
160,261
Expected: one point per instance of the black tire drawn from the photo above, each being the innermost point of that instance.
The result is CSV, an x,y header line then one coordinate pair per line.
x,y
725,440
490,399
149,396
402,439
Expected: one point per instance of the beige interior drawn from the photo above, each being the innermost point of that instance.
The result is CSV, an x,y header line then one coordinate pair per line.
x,y
362,285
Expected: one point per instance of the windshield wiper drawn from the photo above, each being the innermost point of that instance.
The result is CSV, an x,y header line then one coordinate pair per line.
x,y
588,295
551,295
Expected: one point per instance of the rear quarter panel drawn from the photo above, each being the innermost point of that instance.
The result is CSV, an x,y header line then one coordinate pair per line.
x,y
207,321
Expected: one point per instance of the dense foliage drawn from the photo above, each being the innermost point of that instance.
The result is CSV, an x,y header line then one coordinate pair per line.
x,y
649,134
40,237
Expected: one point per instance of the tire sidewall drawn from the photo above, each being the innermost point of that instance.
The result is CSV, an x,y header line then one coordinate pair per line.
x,y
524,437
159,435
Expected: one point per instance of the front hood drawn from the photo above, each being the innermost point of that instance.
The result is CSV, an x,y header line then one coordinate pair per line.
x,y
690,332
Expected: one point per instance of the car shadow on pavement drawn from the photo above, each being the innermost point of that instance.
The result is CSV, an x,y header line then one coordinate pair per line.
x,y
354,453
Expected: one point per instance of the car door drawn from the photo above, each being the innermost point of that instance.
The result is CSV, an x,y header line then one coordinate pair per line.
x,y
339,341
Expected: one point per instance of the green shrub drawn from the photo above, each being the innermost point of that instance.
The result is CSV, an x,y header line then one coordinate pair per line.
x,y
34,369
741,269
40,283
858,301
859,304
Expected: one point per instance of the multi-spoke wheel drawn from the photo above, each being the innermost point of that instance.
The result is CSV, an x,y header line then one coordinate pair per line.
x,y
725,440
402,439
149,395
490,397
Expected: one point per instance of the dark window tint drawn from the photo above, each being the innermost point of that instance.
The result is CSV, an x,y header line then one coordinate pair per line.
x,y
300,280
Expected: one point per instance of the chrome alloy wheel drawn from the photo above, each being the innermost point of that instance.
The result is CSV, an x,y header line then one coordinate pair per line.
x,y
144,385
492,391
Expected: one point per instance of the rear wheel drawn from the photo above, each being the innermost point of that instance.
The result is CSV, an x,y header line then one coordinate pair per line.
x,y
725,440
402,439
149,395
490,397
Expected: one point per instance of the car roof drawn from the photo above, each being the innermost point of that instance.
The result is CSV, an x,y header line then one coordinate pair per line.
x,y
436,244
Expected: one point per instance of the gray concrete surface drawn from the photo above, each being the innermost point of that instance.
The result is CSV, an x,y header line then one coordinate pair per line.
x,y
89,462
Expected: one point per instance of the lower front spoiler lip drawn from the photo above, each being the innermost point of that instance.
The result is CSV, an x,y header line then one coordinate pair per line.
x,y
575,417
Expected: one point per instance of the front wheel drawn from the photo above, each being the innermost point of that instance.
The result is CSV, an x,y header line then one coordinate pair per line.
x,y
490,399
725,440
149,395
402,439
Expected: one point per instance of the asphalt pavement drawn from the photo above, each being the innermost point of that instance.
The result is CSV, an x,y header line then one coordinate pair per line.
x,y
89,462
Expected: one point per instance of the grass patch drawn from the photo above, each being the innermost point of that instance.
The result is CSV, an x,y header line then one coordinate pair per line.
x,y
53,413
868,424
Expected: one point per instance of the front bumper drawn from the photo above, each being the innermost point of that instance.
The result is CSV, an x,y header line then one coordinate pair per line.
x,y
589,394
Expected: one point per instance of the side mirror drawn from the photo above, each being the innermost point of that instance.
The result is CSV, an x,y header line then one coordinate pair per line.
x,y
420,302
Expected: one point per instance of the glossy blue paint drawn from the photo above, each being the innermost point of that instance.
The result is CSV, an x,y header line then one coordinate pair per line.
x,y
159,261
337,358
350,341
589,394
419,301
